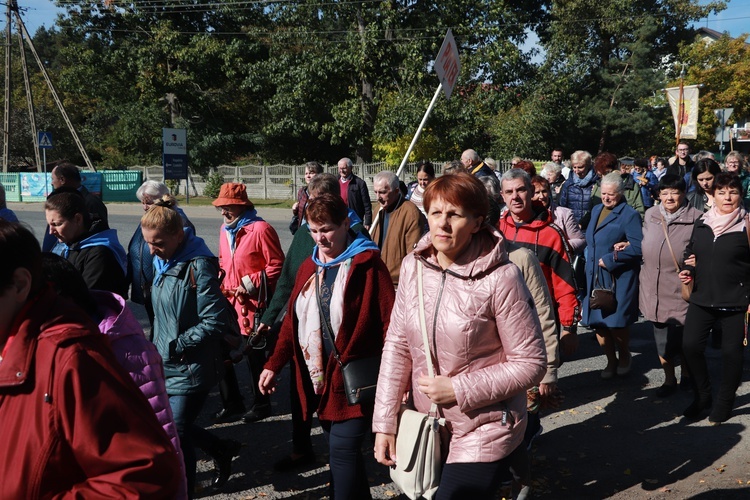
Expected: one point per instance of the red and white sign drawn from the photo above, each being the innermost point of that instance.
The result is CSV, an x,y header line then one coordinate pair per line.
x,y
447,64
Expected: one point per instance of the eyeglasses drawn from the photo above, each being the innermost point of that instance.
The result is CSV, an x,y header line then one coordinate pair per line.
x,y
683,150
221,210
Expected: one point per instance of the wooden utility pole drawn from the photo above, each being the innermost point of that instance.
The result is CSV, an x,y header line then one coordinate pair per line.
x,y
6,116
12,8
30,104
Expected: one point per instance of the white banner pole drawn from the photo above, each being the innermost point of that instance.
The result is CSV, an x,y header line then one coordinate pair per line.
x,y
419,131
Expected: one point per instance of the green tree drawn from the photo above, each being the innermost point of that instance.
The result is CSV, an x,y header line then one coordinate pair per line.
x,y
723,67
611,56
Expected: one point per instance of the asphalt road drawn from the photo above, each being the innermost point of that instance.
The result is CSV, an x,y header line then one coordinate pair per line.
x,y
609,439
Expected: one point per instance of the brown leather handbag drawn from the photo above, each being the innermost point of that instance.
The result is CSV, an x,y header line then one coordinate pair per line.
x,y
603,298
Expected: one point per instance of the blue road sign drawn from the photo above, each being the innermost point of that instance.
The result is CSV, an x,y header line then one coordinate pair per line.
x,y
45,140
175,166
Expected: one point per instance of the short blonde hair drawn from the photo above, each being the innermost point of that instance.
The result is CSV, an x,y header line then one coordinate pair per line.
x,y
583,157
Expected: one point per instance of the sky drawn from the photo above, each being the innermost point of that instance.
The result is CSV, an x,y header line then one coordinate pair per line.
x,y
735,19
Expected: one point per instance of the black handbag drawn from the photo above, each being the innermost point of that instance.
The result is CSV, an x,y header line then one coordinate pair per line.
x,y
603,298
360,375
294,224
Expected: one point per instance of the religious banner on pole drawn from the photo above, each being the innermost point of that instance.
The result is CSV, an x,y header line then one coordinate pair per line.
x,y
684,104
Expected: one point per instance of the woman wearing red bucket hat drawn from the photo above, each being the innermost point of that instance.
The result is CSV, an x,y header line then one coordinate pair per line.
x,y
250,254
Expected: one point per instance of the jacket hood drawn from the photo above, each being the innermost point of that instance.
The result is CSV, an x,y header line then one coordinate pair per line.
x,y
485,252
46,316
116,320
542,218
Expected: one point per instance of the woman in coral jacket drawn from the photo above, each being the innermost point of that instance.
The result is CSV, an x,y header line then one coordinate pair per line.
x,y
356,294
76,424
485,341
251,256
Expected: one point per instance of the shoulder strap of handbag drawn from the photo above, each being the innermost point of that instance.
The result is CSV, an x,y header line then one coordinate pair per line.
x,y
596,277
423,327
324,323
669,244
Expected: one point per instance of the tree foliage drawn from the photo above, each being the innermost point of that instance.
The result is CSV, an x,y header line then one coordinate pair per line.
x,y
318,80
723,67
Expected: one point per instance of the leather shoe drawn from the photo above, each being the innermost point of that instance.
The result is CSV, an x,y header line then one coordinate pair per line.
x,y
608,372
696,408
228,415
291,462
666,390
256,413
624,370
227,450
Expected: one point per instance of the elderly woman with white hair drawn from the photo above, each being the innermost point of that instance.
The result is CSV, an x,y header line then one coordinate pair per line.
x,y
612,222
553,173
140,260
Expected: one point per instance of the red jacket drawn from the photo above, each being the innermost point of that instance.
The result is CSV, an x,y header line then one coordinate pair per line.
x,y
368,301
75,424
548,243
257,249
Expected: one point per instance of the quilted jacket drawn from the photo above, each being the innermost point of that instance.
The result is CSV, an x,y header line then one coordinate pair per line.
x,y
484,334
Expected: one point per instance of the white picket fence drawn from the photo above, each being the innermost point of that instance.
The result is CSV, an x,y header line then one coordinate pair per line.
x,y
281,182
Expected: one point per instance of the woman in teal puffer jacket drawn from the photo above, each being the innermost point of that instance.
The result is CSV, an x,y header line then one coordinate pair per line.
x,y
190,319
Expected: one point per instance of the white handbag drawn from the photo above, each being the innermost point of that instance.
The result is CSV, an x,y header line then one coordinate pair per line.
x,y
418,446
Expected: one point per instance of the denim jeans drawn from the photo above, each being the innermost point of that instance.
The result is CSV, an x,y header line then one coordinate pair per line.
x,y
185,410
348,476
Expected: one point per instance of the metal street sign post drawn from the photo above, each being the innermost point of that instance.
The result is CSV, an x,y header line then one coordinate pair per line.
x,y
447,67
45,142
174,157
722,131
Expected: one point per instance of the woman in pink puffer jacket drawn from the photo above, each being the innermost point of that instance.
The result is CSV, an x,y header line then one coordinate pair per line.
x,y
484,335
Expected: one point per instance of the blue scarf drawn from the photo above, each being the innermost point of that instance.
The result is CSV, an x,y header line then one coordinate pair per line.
x,y
577,181
106,238
192,247
247,217
360,244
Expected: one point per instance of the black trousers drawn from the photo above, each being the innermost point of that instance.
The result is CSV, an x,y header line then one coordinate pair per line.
x,y
698,324
229,388
478,481
301,428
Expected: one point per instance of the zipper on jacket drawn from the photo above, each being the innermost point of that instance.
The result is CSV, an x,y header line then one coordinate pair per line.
x,y
434,316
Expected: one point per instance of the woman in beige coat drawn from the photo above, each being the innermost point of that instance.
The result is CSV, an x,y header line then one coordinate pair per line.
x,y
485,342
660,287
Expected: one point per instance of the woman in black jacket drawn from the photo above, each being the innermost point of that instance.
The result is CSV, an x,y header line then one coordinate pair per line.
x,y
704,176
719,263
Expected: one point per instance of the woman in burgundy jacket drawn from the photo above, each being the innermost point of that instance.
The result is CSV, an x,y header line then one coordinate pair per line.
x,y
77,426
356,295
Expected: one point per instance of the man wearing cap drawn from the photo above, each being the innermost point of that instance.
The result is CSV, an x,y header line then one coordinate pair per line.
x,y
250,254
